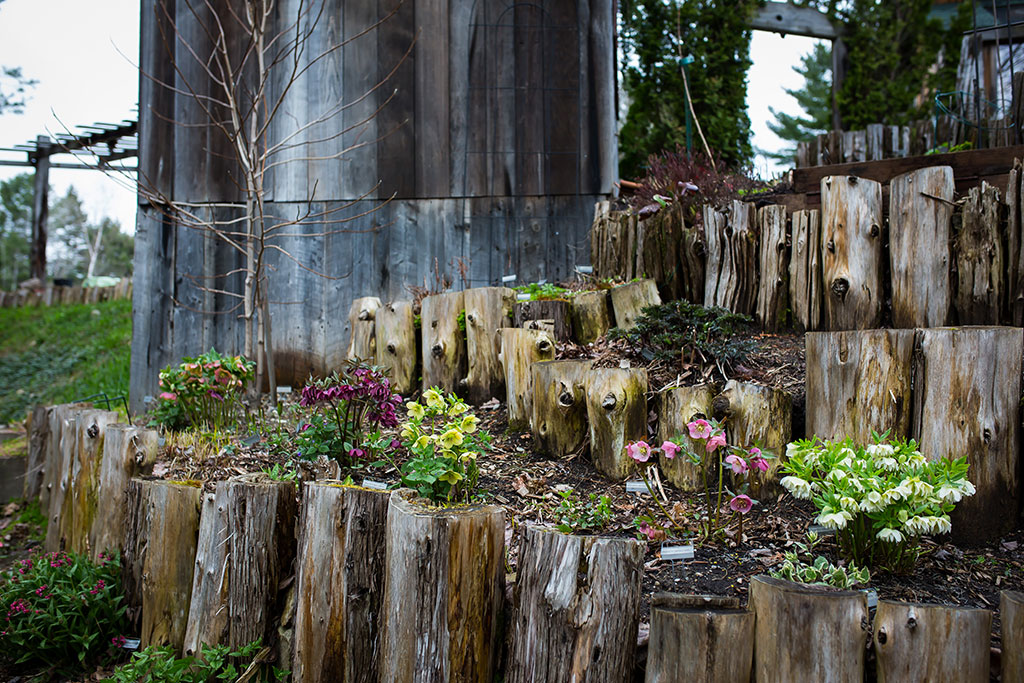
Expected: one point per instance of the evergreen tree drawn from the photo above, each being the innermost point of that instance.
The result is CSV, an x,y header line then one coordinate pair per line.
x,y
15,229
814,98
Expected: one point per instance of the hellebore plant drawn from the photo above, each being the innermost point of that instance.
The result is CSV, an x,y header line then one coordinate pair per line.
x,y
350,409
202,392
880,498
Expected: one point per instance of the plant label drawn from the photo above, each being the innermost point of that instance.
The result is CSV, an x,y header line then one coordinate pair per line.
x,y
284,389
508,278
677,552
585,270
250,440
131,644
370,484
523,297
872,598
821,530
636,486
160,441
148,399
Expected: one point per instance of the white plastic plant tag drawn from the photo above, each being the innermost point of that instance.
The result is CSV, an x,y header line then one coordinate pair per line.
x,y
677,552
284,390
821,530
624,364
523,296
509,278
370,484
586,270
872,598
131,644
636,486
161,441
148,399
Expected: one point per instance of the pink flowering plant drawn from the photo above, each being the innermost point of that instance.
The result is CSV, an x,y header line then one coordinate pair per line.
x,y
349,413
203,392
61,610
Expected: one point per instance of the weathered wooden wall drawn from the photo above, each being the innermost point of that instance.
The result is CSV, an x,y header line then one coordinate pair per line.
x,y
495,136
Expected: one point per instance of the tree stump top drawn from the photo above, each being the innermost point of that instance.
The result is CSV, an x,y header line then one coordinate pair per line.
x,y
408,502
785,586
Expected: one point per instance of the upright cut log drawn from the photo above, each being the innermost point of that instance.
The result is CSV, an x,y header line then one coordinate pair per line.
x,y
692,263
699,638
395,341
444,343
629,301
444,585
1015,245
851,253
127,452
560,406
805,278
208,609
591,317
1011,617
859,381
519,350
967,387
980,258
63,435
577,608
657,249
806,634
617,414
773,286
931,643
679,407
38,444
731,275
340,588
553,316
757,415
487,309
361,316
159,553
920,229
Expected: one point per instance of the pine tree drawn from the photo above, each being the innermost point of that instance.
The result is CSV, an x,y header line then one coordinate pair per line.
x,y
814,98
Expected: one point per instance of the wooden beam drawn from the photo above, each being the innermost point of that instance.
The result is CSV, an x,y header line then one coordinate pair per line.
x,y
40,208
787,19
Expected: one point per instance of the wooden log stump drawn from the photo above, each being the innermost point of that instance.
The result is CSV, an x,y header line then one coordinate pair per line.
x,y
680,406
1015,245
617,414
560,406
340,587
806,634
773,285
58,461
858,381
657,249
487,309
591,316
361,316
395,342
851,252
805,288
553,316
444,343
159,554
931,642
692,260
519,349
629,301
208,608
1011,617
920,230
82,496
699,638
444,587
38,445
980,258
757,415
577,608
967,391
127,452
731,275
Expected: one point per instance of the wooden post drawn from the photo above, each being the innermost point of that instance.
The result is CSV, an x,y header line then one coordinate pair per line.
x,y
931,642
361,315
1015,233
617,414
591,317
805,289
980,257
658,240
851,256
208,608
757,415
732,246
395,335
519,350
127,452
553,316
920,218
967,387
487,310
443,591
40,207
577,608
444,344
1011,617
680,406
560,406
699,638
804,634
693,263
772,289
159,554
858,381
53,468
340,586
629,300
38,445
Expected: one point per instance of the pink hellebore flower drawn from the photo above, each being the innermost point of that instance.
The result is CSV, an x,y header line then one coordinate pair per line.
x,y
167,395
741,504
639,451
738,464
699,429
647,530
757,462
669,449
715,441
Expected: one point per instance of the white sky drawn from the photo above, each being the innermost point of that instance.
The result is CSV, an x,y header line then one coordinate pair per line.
x,y
83,54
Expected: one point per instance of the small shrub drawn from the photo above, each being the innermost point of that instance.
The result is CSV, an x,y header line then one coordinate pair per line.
x,y
157,664
803,567
880,498
579,515
202,392
546,291
445,440
63,610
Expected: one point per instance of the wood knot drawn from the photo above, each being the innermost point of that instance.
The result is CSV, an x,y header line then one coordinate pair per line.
x,y
391,348
874,230
609,401
565,398
93,431
437,350
853,179
882,637
911,623
831,246
720,406
543,344
365,314
470,318
433,324
840,286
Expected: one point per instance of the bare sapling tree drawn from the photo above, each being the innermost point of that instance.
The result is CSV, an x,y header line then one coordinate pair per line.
x,y
236,62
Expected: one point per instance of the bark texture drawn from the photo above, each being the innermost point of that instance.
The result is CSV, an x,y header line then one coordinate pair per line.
x,y
1011,617
805,278
553,316
732,258
980,258
127,452
773,283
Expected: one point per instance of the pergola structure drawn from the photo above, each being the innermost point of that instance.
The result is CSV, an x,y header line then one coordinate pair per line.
x,y
101,146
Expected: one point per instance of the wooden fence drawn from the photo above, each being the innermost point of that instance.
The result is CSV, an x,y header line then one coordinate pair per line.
x,y
386,589
53,295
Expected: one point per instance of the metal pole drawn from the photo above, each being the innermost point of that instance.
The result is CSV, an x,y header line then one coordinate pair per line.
x,y
40,207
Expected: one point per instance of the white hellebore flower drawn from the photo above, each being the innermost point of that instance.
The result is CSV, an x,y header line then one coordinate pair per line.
x,y
968,488
797,487
890,535
835,520
916,459
879,449
872,502
940,525
888,464
849,504
917,526
949,494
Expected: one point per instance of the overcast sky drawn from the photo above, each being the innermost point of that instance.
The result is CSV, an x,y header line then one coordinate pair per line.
x,y
84,54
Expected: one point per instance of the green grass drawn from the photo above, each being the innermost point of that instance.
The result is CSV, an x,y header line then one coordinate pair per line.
x,y
61,353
